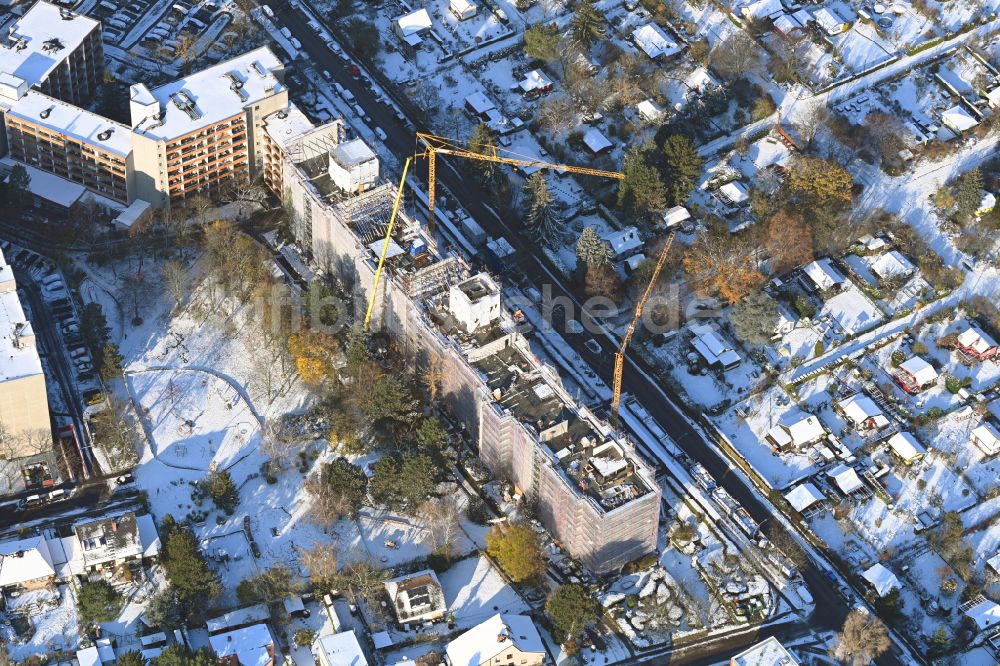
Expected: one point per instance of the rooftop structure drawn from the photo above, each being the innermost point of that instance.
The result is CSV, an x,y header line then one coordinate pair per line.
x,y
823,275
846,479
241,617
24,406
713,348
73,122
986,437
512,638
769,652
805,496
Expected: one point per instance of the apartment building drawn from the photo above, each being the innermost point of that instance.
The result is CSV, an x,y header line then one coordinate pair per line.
x,y
53,51
594,495
79,146
25,428
196,134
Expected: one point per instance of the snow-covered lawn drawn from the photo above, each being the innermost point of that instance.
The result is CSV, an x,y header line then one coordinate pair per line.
x,y
475,591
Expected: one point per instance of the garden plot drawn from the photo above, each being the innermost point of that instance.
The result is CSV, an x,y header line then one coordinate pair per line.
x,y
458,34
56,624
762,412
861,47
475,591
850,312
197,420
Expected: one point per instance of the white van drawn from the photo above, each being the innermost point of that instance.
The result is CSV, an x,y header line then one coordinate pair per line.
x,y
347,95
268,12
286,33
380,133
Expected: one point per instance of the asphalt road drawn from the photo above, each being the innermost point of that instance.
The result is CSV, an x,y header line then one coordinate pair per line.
x,y
51,345
831,609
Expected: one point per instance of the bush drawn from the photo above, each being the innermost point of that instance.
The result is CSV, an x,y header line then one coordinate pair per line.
x,y
804,307
98,601
897,357
304,637
953,384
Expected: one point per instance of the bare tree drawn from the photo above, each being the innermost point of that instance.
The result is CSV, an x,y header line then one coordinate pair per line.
x,y
810,121
738,55
443,516
321,561
862,639
244,193
556,114
116,429
276,444
175,276
432,376
364,579
784,542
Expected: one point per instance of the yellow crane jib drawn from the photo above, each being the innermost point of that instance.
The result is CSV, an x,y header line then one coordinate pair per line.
x,y
627,338
431,145
385,244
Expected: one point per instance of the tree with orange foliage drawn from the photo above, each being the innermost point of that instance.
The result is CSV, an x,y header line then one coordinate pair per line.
x,y
314,352
723,264
788,240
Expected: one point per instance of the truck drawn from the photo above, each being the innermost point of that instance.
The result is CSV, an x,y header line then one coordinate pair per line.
x,y
472,231
703,478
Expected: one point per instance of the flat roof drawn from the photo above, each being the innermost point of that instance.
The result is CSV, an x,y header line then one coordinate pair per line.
x,y
17,362
77,123
215,94
49,186
352,153
41,39
287,125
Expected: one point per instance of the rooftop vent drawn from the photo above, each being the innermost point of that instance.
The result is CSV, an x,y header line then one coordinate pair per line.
x,y
66,15
46,112
184,102
106,134
259,68
52,45
236,85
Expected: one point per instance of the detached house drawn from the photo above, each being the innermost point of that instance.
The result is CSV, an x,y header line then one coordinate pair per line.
x,y
535,84
249,646
986,438
26,564
915,374
797,433
975,345
862,413
113,542
502,639
417,597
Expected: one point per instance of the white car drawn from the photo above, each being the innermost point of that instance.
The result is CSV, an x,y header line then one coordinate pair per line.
x,y
380,133
297,44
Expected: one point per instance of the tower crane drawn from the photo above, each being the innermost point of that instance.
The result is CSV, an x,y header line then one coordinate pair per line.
x,y
431,145
620,354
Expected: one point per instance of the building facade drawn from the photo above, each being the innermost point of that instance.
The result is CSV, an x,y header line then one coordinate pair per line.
x,y
25,426
596,497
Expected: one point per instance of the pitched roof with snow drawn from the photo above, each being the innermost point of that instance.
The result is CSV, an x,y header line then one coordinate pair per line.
x,y
734,192
829,21
986,614
625,241
923,373
881,579
803,496
803,430
712,347
676,215
414,22
762,9
986,437
490,638
906,446
891,264
479,102
976,340
846,478
654,42
859,409
252,646
823,274
958,119
342,649
595,141
25,560
535,80
769,652
649,110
